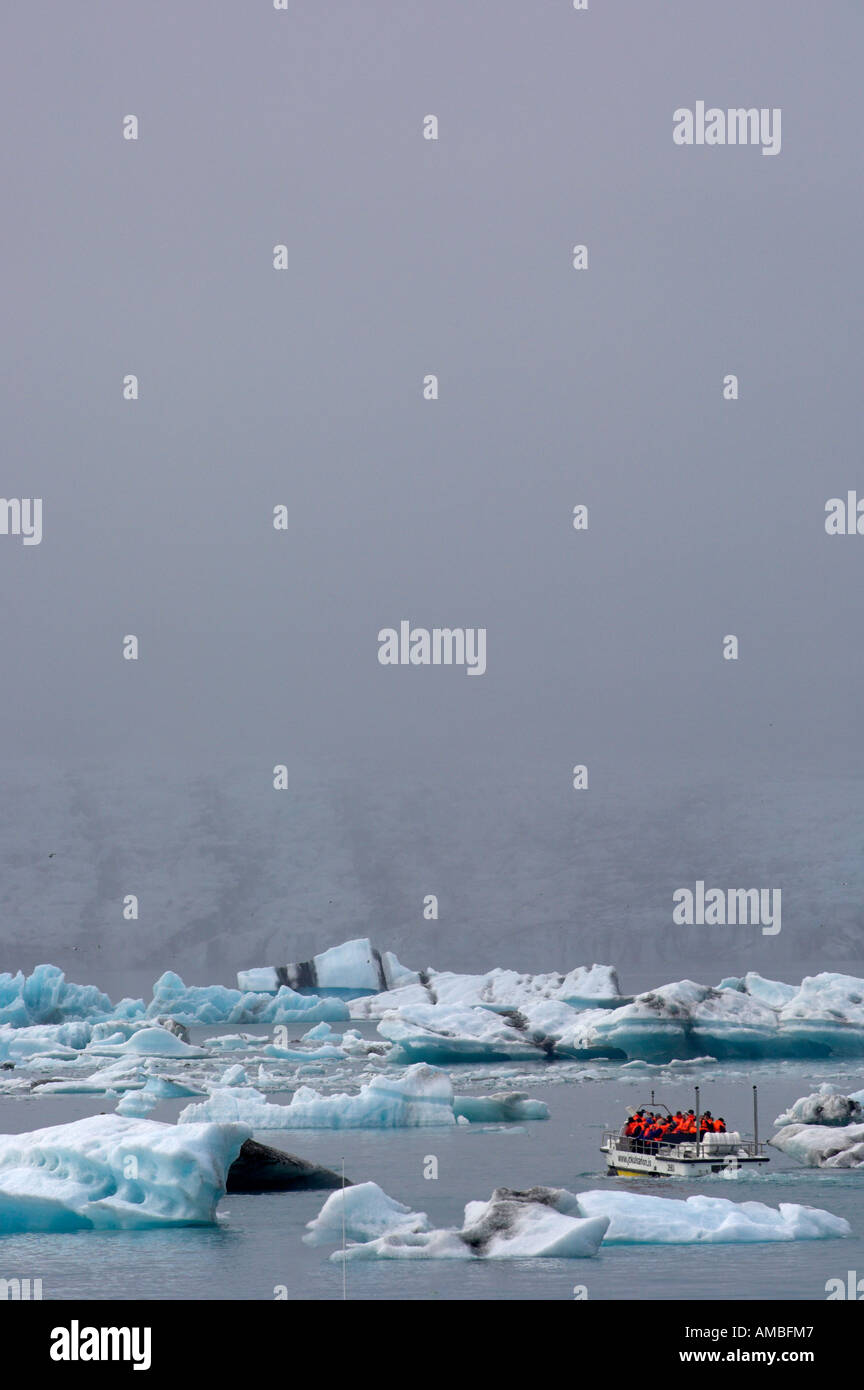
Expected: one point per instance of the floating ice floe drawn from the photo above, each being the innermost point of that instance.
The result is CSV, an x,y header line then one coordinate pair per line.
x,y
510,1226
823,1017
823,1146
419,1096
113,1172
824,1129
136,1103
123,1075
212,1004
635,1218
826,1106
441,1017
586,987
440,1034
553,1223
355,966
47,997
363,1212
500,1107
297,1054
150,1042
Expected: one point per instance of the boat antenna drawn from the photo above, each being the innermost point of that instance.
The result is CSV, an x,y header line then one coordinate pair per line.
x,y
698,1119
755,1120
652,1097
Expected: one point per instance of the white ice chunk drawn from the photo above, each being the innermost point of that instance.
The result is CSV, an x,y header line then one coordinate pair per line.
x,y
823,1146
367,1213
501,1107
419,1096
113,1172
826,1106
636,1218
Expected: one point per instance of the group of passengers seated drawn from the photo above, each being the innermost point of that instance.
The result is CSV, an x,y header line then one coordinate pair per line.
x,y
672,1129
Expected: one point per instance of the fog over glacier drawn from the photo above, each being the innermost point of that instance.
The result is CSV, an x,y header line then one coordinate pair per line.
x,y
231,874
303,389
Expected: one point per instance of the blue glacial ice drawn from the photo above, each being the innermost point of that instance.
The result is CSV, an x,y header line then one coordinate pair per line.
x,y
823,1017
500,1108
419,1096
213,1004
111,1172
444,1018
355,967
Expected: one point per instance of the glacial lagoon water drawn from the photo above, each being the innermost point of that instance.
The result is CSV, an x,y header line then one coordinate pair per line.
x,y
257,1249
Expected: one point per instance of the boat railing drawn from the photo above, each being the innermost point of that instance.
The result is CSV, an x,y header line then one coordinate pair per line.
x,y
687,1144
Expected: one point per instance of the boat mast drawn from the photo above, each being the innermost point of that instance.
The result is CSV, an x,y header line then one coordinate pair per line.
x,y
698,1119
755,1121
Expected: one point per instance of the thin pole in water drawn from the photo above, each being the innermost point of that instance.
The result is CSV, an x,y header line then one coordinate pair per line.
x,y
344,1261
698,1120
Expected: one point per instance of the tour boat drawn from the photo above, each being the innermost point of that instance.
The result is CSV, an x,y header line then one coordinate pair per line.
x,y
628,1157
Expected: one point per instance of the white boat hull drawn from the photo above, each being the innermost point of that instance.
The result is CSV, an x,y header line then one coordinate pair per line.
x,y
678,1161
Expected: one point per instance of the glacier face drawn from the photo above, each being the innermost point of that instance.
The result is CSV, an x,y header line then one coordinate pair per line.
x,y
111,1172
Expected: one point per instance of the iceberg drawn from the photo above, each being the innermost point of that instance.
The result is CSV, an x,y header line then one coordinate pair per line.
x,y
542,1223
190,1004
594,986
545,1222
47,997
150,1042
420,1096
821,1145
354,966
827,1106
440,1017
502,1107
635,1218
365,1213
111,1172
441,1033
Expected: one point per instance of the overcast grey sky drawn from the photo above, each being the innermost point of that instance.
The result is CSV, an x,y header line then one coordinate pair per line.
x,y
603,387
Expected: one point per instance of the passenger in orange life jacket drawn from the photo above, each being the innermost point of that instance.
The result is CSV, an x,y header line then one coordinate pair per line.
x,y
720,1126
